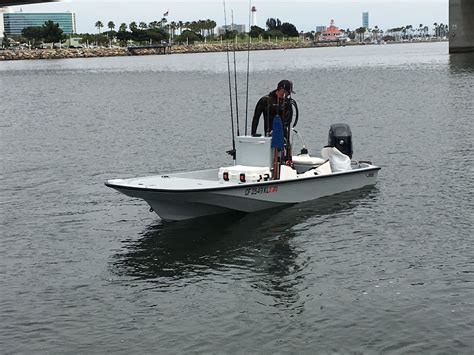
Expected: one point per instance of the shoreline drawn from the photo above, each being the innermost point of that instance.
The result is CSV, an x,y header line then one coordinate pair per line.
x,y
69,53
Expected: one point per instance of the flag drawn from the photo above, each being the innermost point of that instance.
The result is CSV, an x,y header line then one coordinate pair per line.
x,y
166,13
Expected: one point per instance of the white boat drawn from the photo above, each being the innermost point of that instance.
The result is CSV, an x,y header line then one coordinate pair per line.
x,y
250,184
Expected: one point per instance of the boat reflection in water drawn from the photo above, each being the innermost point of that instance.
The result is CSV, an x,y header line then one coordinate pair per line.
x,y
261,246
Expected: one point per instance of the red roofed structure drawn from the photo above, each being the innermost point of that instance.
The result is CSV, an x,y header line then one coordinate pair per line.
x,y
332,33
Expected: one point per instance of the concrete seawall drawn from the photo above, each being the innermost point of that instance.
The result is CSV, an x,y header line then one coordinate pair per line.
x,y
461,25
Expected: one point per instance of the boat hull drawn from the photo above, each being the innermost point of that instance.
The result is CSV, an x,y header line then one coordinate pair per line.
x,y
175,205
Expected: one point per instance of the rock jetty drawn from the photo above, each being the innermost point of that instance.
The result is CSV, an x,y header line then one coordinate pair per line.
x,y
27,54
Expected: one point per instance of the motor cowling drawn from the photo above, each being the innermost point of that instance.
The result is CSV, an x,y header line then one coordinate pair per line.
x,y
340,137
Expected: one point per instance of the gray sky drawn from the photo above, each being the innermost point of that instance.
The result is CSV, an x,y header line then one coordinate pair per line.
x,y
303,13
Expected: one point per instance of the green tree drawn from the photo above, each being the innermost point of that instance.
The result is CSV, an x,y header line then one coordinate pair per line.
x,y
288,29
99,25
154,25
123,35
123,27
52,33
273,24
212,26
375,32
33,34
360,31
111,26
156,34
133,26
5,40
163,22
256,31
189,36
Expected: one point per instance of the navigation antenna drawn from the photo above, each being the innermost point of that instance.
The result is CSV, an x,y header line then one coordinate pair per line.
x,y
230,152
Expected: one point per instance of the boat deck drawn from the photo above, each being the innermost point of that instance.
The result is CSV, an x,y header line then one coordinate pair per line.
x,y
204,179
199,180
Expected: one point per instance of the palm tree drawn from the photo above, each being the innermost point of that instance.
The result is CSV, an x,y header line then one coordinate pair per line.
x,y
376,31
163,22
180,26
154,25
212,25
173,27
133,26
420,28
410,33
99,25
111,25
360,31
142,25
442,30
123,27
436,29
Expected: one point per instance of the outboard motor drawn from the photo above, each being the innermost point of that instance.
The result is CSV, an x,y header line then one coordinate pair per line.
x,y
340,137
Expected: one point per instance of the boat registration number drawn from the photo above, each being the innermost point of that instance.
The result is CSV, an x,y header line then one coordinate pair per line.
x,y
257,190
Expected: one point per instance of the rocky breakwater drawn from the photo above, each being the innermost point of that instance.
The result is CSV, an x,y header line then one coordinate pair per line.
x,y
203,47
26,54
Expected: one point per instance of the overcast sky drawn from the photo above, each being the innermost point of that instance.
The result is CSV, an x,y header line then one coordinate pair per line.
x,y
304,14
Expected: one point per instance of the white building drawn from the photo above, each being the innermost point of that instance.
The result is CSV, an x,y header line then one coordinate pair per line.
x,y
233,27
2,23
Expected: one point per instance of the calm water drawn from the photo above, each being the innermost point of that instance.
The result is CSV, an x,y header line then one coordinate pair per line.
x,y
85,269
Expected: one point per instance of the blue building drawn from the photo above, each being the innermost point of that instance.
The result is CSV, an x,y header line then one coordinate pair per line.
x,y
365,20
15,22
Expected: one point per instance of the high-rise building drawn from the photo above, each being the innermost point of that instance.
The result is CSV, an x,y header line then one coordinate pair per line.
x,y
15,22
365,19
321,29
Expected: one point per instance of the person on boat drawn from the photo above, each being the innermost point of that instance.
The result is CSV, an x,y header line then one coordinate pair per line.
x,y
278,102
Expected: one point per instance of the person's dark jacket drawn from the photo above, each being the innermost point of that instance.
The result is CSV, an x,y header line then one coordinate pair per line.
x,y
267,105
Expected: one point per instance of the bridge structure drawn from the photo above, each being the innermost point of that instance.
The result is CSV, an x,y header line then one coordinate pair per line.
x,y
461,22
461,26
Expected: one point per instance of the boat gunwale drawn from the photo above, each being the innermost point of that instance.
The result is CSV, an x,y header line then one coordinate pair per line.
x,y
241,185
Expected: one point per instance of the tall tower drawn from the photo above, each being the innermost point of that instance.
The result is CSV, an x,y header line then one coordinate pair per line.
x,y
254,16
365,20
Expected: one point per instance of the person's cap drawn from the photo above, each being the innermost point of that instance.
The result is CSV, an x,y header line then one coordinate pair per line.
x,y
287,85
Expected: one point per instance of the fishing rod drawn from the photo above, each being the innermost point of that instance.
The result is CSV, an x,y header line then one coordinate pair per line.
x,y
235,81
230,152
248,69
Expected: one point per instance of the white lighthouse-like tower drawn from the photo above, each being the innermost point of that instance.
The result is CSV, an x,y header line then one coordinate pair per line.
x,y
254,16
